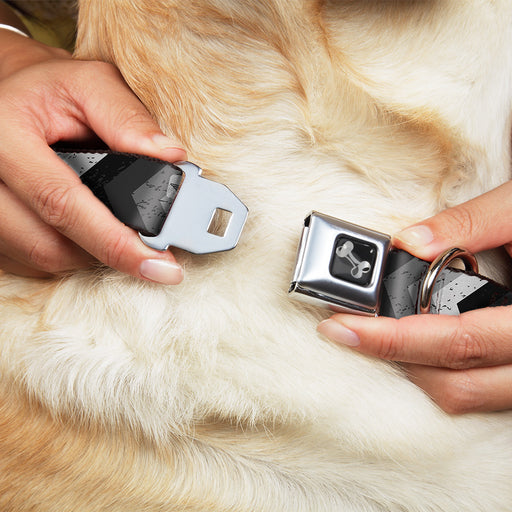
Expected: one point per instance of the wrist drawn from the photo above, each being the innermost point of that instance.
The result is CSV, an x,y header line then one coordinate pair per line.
x,y
18,52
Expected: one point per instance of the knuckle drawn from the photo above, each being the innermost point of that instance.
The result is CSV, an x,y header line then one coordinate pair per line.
x,y
79,83
461,220
115,251
98,69
386,349
465,348
132,117
54,205
42,257
389,346
460,394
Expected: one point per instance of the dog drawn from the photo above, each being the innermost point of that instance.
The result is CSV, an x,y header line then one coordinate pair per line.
x,y
218,394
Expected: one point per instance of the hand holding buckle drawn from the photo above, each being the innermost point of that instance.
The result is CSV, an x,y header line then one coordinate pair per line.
x,y
352,269
168,204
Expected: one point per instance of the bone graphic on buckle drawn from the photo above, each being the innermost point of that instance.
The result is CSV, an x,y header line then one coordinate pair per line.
x,y
358,267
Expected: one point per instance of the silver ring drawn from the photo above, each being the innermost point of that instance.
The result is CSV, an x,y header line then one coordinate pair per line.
x,y
435,268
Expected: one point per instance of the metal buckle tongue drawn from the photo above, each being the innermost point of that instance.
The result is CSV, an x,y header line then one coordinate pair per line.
x,y
187,225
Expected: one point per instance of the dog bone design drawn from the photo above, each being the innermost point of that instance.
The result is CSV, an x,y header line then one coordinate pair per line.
x,y
358,267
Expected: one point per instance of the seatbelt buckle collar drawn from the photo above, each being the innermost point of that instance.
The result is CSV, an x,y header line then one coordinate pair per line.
x,y
340,265
169,204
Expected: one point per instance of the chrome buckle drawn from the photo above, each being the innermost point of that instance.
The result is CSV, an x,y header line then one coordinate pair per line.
x,y
340,265
193,209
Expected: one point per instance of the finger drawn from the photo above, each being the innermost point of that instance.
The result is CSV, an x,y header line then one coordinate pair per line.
x,y
24,238
52,190
57,196
60,101
480,224
14,267
118,117
474,339
463,391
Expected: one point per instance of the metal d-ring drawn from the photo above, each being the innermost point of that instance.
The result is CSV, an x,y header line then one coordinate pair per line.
x,y
435,268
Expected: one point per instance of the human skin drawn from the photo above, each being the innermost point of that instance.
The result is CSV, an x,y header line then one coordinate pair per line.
x,y
463,362
49,222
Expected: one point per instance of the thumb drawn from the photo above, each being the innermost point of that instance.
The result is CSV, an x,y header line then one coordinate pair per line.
x,y
479,224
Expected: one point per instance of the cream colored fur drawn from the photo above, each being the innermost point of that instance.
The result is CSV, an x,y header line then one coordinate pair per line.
x,y
218,394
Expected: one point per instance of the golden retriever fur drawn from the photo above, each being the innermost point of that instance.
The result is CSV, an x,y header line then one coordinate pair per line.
x,y
217,394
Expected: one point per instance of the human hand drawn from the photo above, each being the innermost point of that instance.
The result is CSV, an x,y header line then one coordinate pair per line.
x,y
49,221
463,362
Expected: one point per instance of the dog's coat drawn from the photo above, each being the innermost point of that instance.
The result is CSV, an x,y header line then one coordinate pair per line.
x,y
218,394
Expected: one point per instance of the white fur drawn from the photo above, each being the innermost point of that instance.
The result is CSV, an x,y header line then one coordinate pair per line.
x,y
295,423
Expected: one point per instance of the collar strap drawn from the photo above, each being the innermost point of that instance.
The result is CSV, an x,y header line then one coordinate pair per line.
x,y
168,204
352,269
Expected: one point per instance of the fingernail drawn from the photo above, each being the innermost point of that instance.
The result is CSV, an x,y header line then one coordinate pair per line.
x,y
164,143
161,271
416,236
338,333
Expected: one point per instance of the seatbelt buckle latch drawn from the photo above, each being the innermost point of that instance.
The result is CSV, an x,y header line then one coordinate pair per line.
x,y
198,205
340,265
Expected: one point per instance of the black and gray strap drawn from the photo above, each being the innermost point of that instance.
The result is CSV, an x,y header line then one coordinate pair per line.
x,y
169,204
352,269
